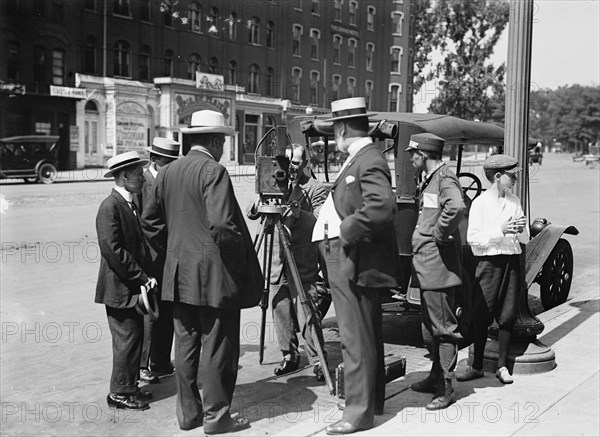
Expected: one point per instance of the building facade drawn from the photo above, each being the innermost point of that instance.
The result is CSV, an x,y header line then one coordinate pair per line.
x,y
109,75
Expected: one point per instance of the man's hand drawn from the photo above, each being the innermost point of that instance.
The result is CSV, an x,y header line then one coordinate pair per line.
x,y
151,286
515,226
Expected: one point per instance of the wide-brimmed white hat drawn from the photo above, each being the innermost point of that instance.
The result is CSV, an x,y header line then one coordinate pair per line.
x,y
349,108
164,147
207,122
123,160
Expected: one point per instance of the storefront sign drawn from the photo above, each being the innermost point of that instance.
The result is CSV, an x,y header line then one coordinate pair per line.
x,y
74,138
68,92
131,133
344,31
210,82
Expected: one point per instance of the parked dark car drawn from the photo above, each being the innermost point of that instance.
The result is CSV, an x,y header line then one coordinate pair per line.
x,y
33,158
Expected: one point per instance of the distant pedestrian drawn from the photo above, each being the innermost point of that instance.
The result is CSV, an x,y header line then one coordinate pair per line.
x,y
158,334
123,270
355,231
211,272
437,257
497,233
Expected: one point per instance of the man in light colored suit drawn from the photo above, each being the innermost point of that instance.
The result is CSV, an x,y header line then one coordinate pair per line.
x,y
211,272
356,233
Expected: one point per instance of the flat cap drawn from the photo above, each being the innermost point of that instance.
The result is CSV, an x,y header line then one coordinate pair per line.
x,y
504,163
426,142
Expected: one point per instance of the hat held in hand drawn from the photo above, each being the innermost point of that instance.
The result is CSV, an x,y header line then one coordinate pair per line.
x,y
147,305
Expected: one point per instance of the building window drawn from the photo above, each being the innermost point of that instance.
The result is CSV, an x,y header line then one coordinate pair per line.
x,y
315,35
253,79
168,64
145,63
369,56
397,20
213,21
90,5
351,52
296,35
12,61
314,86
39,64
396,53
352,13
195,14
58,11
337,45
395,90
194,63
90,55
337,10
269,85
232,25
167,15
296,78
270,35
232,73
146,10
370,18
254,31
121,7
336,81
315,7
121,59
351,86
213,65
58,67
368,93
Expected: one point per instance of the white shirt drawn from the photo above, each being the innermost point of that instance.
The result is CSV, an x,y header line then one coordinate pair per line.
x,y
153,170
484,233
203,150
328,219
126,194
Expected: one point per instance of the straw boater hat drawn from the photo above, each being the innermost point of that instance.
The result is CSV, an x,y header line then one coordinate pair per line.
x,y
164,147
147,305
123,160
208,122
426,142
349,108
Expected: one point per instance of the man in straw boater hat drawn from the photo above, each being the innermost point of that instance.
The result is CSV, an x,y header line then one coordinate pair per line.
x,y
211,272
121,276
356,233
437,260
158,334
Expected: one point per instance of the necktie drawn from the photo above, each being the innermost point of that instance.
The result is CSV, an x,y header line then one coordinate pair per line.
x,y
133,208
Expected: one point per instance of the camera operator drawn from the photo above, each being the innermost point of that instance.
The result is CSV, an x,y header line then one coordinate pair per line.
x,y
306,195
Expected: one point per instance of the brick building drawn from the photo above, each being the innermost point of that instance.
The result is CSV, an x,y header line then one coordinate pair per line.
x,y
108,75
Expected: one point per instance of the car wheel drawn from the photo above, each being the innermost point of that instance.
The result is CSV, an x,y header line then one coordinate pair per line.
x,y
557,274
47,173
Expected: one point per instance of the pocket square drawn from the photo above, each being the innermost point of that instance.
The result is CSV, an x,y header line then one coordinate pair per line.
x,y
350,179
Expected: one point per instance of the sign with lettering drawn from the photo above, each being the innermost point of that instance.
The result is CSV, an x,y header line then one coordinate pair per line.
x,y
344,31
69,92
209,82
131,133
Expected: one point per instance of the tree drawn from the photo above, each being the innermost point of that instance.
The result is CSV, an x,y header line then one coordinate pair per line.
x,y
464,33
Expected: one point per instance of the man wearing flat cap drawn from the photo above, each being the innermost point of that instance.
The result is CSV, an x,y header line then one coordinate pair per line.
x,y
437,257
211,272
158,334
356,233
123,271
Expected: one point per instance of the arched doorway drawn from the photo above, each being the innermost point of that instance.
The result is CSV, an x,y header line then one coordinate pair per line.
x,y
92,116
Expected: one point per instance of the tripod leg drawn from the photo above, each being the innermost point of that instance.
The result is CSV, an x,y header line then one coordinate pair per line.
x,y
312,317
267,235
260,233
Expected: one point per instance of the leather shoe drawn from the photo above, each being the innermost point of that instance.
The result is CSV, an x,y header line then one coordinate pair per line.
x,y
504,376
126,401
143,394
287,365
231,425
147,376
428,385
341,427
470,374
442,401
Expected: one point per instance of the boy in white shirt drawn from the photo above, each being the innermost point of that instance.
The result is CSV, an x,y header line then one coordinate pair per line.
x,y
497,230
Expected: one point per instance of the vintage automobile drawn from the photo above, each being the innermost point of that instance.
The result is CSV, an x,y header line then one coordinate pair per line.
x,y
33,158
549,258
535,153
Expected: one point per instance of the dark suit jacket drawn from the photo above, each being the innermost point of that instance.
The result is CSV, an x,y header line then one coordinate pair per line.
x,y
363,198
210,257
123,251
156,259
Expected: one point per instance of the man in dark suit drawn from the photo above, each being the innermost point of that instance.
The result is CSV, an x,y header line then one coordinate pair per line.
x,y
158,334
437,248
122,273
211,272
356,233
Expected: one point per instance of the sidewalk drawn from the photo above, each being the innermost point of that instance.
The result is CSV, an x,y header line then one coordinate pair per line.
x,y
561,402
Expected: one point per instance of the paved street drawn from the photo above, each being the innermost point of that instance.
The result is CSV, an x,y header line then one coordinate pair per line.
x,y
55,356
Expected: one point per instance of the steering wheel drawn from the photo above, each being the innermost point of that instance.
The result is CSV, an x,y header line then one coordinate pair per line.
x,y
470,184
